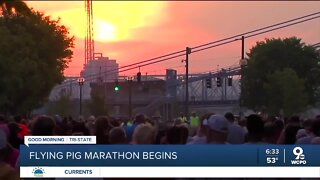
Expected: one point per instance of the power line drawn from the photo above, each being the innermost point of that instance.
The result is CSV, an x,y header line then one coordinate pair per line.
x,y
219,44
133,64
256,34
147,64
182,53
231,39
160,70
283,26
214,42
249,32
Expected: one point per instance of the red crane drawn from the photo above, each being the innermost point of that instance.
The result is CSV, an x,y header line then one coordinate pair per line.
x,y
89,38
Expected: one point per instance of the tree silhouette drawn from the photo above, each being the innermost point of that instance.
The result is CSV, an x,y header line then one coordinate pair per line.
x,y
272,55
286,92
34,51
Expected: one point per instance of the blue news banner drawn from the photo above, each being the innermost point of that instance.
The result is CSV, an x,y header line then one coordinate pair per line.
x,y
170,155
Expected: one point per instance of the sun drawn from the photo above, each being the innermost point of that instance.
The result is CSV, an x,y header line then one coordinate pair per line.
x,y
105,31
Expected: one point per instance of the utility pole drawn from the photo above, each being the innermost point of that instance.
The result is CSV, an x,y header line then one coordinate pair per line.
x,y
225,81
242,64
242,50
80,81
80,100
188,51
130,97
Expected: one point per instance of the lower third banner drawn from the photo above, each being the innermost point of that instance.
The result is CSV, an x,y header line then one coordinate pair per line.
x,y
180,160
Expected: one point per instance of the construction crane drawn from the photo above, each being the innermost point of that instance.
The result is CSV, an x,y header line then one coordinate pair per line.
x,y
89,38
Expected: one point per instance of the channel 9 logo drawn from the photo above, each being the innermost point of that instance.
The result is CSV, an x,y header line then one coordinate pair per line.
x,y
300,158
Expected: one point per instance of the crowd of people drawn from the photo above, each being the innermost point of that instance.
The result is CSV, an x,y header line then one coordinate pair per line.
x,y
209,129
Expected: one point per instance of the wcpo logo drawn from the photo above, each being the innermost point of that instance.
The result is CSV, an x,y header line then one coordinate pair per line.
x,y
300,158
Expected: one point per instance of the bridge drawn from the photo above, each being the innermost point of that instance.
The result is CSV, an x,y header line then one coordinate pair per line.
x,y
167,92
204,91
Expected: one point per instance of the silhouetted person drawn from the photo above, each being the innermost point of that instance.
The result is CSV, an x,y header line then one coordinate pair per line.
x,y
236,134
255,128
162,130
270,133
79,128
66,128
201,134
173,135
307,125
114,122
43,126
102,128
6,171
290,133
184,134
294,120
144,134
90,124
217,130
279,126
14,138
3,124
139,119
23,126
177,135
315,132
117,136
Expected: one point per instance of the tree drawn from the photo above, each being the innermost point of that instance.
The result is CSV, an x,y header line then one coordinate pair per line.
x,y
286,91
34,51
272,55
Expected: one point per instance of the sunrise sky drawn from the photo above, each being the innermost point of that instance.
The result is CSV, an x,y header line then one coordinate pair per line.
x,y
130,31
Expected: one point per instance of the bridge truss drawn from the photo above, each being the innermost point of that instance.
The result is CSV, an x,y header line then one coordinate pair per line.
x,y
200,93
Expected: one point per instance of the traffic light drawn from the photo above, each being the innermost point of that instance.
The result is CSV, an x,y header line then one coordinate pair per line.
x,y
188,50
117,86
219,82
229,81
208,83
139,76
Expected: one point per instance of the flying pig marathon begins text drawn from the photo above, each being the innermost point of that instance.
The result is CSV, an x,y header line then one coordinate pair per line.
x,y
103,155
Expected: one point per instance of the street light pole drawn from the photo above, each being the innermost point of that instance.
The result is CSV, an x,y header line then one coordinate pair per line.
x,y
188,51
130,97
243,63
80,81
242,48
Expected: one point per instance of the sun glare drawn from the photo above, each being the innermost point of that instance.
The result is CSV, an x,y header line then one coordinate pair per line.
x,y
105,31
113,20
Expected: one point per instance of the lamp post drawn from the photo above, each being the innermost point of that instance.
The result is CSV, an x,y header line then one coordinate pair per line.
x,y
188,51
243,63
130,96
80,81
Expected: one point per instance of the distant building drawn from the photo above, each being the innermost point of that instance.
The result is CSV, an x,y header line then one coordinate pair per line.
x,y
101,69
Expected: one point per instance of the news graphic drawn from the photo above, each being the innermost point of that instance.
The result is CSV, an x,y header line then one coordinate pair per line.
x,y
59,140
79,156
300,158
